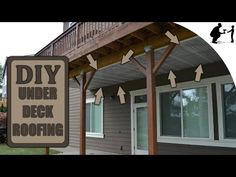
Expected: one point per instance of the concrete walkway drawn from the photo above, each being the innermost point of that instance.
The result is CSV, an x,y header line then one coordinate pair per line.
x,y
75,151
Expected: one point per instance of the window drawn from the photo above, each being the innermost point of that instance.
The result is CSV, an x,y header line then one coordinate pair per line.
x,y
195,112
170,113
94,119
226,104
229,110
140,99
184,113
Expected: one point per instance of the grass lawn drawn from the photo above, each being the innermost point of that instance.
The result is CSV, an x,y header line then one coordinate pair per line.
x,y
6,150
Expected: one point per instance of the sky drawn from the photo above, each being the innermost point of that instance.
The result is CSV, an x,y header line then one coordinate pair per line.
x,y
26,38
226,49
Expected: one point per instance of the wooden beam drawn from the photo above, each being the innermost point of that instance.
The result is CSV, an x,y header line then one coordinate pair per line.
x,y
155,41
115,46
83,60
76,80
73,65
138,35
103,51
163,57
106,38
172,24
89,77
123,42
151,103
82,115
154,29
138,65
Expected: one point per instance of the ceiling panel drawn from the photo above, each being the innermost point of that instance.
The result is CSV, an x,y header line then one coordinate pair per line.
x,y
189,53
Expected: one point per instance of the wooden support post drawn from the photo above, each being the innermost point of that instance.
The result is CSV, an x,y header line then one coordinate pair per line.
x,y
150,72
89,77
83,84
76,80
151,102
47,151
138,65
163,57
82,115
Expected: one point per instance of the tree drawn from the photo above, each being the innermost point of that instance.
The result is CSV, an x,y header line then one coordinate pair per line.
x,y
1,73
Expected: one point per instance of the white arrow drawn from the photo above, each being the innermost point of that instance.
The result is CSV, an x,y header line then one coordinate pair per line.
x,y
172,77
92,62
199,72
126,57
98,95
121,95
173,38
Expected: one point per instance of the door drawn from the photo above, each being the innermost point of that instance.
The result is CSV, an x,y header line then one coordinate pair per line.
x,y
141,129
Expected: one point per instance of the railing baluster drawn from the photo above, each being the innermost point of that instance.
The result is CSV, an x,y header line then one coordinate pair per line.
x,y
85,31
51,49
76,36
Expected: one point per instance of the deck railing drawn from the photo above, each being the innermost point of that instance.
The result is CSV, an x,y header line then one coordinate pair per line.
x,y
76,36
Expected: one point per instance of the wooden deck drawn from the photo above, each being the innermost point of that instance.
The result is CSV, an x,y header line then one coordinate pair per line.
x,y
108,42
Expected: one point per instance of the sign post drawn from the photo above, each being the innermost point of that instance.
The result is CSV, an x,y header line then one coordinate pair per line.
x,y
37,89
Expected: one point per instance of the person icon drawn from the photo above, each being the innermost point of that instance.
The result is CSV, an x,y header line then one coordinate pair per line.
x,y
232,33
215,33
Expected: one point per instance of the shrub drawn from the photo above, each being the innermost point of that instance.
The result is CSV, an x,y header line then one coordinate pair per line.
x,y
3,119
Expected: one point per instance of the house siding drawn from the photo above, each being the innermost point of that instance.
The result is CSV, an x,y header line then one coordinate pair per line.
x,y
117,135
74,111
116,128
117,120
181,149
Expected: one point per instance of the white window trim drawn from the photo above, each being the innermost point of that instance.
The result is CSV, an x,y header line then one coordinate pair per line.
x,y
182,86
132,107
219,83
93,134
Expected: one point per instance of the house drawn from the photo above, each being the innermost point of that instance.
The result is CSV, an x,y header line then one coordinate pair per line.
x,y
176,96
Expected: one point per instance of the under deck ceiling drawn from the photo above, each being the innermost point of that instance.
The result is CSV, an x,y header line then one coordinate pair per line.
x,y
190,53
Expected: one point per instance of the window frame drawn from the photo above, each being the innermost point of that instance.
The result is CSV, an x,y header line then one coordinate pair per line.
x,y
93,134
186,140
224,80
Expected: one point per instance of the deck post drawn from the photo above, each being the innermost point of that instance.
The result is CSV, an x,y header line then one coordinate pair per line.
x,y
83,84
47,151
82,114
150,71
151,101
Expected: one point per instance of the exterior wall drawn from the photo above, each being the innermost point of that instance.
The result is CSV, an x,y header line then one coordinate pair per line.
x,y
181,149
74,117
117,118
117,135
